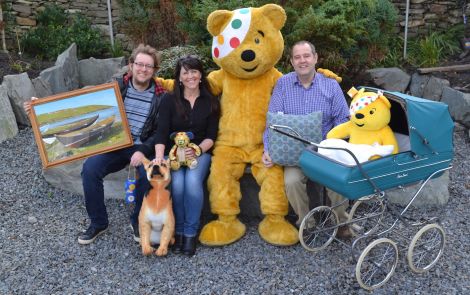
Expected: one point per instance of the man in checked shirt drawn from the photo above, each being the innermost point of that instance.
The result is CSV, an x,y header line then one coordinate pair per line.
x,y
300,93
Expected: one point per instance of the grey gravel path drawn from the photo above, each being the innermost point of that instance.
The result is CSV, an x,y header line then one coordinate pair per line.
x,y
39,253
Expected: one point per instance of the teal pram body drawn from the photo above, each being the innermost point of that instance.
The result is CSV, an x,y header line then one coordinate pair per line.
x,y
423,127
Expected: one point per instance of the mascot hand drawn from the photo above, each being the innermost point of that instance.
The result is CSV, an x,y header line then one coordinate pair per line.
x,y
330,74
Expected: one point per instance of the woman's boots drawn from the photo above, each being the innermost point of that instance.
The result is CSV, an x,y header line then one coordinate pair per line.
x,y
185,245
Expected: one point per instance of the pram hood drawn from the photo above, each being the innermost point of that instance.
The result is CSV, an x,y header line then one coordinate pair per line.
x,y
430,125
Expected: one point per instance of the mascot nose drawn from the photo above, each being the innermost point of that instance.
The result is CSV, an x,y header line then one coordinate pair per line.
x,y
359,116
248,55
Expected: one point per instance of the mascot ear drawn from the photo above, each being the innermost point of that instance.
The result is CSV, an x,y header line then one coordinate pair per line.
x,y
172,136
275,14
352,92
385,101
217,20
190,135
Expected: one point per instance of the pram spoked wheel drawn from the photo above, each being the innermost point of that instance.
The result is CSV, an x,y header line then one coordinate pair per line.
x,y
318,228
366,214
377,263
426,248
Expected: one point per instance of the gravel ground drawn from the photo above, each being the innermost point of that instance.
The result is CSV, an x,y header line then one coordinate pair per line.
x,y
40,254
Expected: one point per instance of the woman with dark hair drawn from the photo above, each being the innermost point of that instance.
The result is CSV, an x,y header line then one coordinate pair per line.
x,y
189,108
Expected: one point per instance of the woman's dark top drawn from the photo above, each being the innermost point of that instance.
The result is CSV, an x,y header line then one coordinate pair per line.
x,y
200,120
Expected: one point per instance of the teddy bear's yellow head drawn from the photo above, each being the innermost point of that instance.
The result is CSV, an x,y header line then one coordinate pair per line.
x,y
248,41
369,110
181,139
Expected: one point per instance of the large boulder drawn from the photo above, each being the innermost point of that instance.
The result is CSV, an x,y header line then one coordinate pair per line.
x,y
427,86
434,194
8,127
63,76
41,87
98,71
459,105
20,89
392,79
67,177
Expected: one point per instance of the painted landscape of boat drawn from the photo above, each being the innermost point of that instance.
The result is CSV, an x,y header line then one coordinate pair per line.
x,y
80,137
69,127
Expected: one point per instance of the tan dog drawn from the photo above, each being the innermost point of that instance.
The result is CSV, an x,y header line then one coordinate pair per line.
x,y
156,219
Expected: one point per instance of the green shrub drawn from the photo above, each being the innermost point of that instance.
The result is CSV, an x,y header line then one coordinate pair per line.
x,y
349,34
137,20
430,50
171,55
56,31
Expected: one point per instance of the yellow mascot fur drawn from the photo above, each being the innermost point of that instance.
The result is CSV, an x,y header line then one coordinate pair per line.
x,y
370,115
247,44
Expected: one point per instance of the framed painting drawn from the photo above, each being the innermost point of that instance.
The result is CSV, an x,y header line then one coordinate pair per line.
x,y
79,124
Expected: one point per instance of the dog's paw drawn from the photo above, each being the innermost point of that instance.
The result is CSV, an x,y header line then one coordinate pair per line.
x,y
161,251
147,250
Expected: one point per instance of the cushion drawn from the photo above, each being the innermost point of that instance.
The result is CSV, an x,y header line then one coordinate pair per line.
x,y
285,150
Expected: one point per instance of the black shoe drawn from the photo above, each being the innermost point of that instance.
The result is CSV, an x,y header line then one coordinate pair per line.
x,y
178,245
90,235
189,246
135,231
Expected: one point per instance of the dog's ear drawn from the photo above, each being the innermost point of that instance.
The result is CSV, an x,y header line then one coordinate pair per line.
x,y
172,136
190,135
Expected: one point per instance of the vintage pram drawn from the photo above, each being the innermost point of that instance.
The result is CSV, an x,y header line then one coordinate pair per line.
x,y
424,131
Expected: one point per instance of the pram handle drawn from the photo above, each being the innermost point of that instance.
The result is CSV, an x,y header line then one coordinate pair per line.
x,y
276,128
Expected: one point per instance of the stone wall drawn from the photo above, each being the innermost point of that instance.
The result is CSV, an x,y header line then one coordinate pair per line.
x,y
23,14
424,15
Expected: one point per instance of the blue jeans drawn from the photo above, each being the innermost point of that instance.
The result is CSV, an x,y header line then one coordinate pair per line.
x,y
94,170
188,196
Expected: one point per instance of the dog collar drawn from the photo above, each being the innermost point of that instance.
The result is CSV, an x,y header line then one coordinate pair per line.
x,y
233,34
362,102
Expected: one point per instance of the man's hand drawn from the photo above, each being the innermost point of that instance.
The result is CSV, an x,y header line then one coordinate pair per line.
x,y
27,105
267,161
136,159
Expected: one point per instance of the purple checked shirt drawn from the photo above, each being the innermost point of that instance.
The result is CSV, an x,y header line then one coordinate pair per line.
x,y
324,95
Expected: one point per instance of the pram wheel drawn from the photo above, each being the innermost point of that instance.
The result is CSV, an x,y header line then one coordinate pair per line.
x,y
377,263
318,228
366,214
426,248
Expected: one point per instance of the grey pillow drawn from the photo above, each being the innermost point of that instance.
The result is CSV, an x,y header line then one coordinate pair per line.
x,y
285,150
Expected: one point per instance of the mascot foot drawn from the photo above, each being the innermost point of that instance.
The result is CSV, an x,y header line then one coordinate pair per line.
x,y
224,231
275,230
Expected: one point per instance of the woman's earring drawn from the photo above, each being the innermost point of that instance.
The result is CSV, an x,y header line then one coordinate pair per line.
x,y
200,81
181,84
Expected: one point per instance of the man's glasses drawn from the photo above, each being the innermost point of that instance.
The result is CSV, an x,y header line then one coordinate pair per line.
x,y
140,65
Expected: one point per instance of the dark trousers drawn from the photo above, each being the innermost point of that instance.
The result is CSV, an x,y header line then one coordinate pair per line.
x,y
94,170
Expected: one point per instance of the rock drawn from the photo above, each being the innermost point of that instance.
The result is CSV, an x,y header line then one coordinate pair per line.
x,y
67,177
63,76
20,89
427,86
459,105
98,71
8,127
32,219
41,87
392,79
434,193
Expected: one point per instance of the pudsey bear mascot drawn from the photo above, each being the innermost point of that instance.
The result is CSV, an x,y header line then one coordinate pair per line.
x,y
247,43
370,115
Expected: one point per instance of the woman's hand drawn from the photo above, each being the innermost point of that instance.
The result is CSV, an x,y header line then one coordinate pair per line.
x,y
189,153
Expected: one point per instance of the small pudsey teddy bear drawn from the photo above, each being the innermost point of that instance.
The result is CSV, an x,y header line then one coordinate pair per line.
x,y
177,154
370,115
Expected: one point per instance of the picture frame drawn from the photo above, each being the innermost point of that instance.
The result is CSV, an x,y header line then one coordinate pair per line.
x,y
78,124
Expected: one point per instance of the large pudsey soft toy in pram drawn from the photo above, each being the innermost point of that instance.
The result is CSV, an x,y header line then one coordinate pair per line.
x,y
370,115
